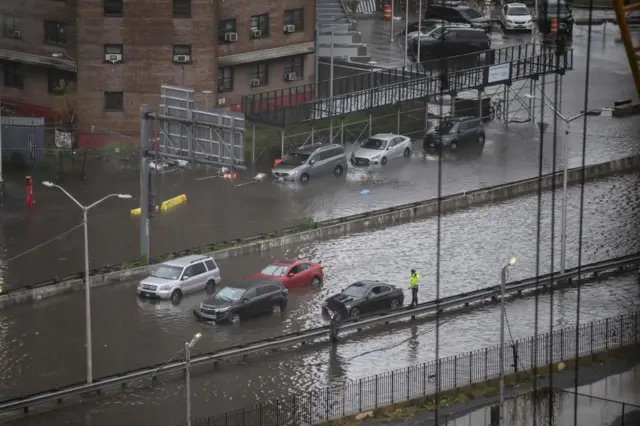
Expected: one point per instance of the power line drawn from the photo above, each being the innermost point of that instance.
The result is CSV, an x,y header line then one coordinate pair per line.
x,y
43,244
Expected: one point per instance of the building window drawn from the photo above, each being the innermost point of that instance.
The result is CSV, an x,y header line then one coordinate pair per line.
x,y
113,7
260,72
182,54
225,27
13,76
55,33
260,26
113,53
294,17
295,66
225,80
59,80
182,8
11,27
113,101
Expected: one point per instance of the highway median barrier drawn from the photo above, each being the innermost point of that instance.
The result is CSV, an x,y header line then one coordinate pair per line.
x,y
165,206
309,230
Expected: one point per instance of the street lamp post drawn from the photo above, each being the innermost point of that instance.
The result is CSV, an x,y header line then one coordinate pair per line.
x,y
565,174
85,210
187,357
503,282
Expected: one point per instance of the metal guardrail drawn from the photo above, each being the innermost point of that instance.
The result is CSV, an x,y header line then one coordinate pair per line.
x,y
311,334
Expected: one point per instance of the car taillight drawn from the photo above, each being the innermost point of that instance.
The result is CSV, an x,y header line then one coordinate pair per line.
x,y
285,291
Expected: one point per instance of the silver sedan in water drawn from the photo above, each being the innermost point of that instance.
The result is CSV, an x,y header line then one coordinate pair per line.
x,y
381,148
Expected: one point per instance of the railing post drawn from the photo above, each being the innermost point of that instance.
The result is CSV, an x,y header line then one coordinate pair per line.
x,y
591,339
562,344
620,334
393,381
360,396
424,378
455,371
327,391
376,403
635,327
470,367
486,363
606,334
622,414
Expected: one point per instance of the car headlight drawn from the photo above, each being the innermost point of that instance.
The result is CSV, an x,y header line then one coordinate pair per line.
x,y
222,309
293,173
375,157
165,287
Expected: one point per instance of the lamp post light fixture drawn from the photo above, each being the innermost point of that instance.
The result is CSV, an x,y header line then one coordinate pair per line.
x,y
85,210
187,356
503,282
565,173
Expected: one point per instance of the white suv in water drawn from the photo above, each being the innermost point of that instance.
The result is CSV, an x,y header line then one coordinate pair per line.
x,y
175,278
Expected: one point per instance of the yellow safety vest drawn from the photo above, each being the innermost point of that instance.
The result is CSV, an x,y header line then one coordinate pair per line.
x,y
415,279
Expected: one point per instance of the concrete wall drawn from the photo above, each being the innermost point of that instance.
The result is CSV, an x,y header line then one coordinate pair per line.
x,y
344,226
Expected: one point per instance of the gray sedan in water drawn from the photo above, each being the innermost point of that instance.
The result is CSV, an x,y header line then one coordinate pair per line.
x,y
381,148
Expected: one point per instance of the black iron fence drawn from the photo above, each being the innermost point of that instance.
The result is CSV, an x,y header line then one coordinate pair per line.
x,y
456,371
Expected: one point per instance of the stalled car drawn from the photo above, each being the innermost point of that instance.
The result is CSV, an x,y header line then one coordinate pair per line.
x,y
368,296
294,273
311,161
454,134
177,277
244,299
381,148
516,16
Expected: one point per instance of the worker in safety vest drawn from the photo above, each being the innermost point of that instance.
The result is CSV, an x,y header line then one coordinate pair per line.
x,y
413,285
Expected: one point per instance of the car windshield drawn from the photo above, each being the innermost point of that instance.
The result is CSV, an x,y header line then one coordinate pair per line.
x,y
444,127
470,13
275,270
230,294
295,159
426,29
167,272
437,32
373,143
558,8
356,291
518,11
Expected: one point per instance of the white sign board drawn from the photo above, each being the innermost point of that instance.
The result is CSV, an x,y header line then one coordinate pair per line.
x,y
499,73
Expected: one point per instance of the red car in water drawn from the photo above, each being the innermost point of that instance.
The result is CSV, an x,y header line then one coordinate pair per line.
x,y
294,273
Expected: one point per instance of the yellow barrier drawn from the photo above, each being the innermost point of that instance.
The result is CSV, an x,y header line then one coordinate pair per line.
x,y
167,205
175,201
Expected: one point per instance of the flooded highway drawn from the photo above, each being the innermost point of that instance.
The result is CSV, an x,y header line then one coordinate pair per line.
x,y
42,345
217,211
232,386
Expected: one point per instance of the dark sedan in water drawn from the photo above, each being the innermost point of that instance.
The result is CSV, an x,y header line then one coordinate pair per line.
x,y
368,296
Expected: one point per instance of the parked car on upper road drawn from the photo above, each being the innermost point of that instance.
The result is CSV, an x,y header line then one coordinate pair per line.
x,y
294,273
516,16
381,148
368,296
303,163
427,30
549,10
244,299
455,134
174,278
449,41
460,15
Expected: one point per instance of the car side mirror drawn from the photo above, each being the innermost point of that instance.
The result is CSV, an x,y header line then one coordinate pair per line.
x,y
389,148
312,162
245,300
185,277
290,274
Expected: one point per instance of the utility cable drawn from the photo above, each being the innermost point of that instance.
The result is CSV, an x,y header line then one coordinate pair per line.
x,y
581,219
42,244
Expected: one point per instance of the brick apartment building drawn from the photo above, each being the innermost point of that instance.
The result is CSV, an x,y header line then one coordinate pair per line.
x,y
119,52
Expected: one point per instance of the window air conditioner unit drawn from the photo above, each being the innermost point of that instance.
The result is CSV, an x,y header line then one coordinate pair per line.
x,y
181,59
222,101
17,34
254,82
256,33
113,58
290,76
289,29
231,37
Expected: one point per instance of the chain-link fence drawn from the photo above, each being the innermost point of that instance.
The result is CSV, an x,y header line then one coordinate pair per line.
x,y
420,380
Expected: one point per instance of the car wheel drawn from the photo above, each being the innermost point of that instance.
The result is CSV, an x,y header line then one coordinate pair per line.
x,y
453,146
407,153
304,178
316,282
234,318
176,297
338,171
276,309
395,303
210,287
383,161
355,312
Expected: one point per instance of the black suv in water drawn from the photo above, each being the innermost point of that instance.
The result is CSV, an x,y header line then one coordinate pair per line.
x,y
244,299
450,41
458,15
554,9
455,134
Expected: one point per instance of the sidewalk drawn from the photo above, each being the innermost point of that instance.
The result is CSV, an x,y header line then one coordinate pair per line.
x,y
627,364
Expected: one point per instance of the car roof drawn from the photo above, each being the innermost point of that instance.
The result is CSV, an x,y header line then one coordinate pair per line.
x,y
308,150
185,261
384,136
369,283
248,283
510,5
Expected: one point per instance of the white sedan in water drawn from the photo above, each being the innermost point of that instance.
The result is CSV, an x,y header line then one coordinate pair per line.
x,y
381,148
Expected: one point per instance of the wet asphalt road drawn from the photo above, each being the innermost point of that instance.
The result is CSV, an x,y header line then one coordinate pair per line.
x,y
42,345
217,211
